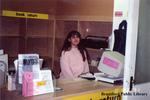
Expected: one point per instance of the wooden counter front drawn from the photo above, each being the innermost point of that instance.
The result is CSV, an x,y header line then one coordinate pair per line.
x,y
78,88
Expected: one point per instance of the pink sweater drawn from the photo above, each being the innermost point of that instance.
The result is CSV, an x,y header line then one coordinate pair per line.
x,y
72,64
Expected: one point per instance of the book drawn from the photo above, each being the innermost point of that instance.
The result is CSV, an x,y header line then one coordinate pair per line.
x,y
102,77
1,51
4,62
3,68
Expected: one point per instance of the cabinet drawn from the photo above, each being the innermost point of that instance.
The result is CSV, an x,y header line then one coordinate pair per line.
x,y
11,39
21,35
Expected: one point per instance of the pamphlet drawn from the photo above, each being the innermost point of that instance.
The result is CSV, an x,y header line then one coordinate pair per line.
x,y
28,63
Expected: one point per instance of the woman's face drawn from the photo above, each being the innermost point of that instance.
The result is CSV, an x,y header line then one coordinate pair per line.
x,y
75,40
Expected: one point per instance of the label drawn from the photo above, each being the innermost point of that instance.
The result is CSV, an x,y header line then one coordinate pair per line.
x,y
118,13
24,14
41,83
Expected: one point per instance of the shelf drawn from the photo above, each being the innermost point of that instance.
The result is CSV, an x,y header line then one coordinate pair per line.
x,y
84,18
36,36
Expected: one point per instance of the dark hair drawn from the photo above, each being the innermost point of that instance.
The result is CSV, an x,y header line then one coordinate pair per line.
x,y
67,44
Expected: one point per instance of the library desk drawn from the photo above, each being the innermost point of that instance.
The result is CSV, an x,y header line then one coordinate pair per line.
x,y
77,89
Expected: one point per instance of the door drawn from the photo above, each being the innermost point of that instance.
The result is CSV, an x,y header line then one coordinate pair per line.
x,y
137,60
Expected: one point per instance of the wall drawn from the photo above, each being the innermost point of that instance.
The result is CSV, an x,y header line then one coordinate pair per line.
x,y
82,10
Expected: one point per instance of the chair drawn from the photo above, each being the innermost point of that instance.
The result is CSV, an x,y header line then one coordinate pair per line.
x,y
120,38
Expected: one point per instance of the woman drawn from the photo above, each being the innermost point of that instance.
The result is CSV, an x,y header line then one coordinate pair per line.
x,y
73,61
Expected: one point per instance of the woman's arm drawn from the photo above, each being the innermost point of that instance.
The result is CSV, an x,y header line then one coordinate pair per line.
x,y
65,67
86,66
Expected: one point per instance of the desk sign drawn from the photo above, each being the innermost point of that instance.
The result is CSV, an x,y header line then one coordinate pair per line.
x,y
37,86
24,14
111,94
44,84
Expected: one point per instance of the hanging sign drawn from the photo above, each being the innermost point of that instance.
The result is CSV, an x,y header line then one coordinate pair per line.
x,y
24,14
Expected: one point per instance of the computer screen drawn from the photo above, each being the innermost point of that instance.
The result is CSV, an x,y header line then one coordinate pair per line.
x,y
112,63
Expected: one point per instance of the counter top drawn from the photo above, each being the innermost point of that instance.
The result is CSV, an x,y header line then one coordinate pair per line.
x,y
70,88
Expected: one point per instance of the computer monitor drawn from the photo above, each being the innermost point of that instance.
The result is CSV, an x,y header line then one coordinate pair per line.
x,y
112,63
